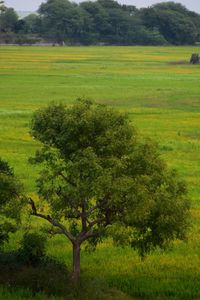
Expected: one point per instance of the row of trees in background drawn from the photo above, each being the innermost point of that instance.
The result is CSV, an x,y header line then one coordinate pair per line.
x,y
103,22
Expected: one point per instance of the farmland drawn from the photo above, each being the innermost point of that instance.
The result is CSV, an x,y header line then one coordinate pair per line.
x,y
161,93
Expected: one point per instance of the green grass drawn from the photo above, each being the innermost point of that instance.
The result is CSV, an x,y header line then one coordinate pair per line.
x,y
162,98
22,294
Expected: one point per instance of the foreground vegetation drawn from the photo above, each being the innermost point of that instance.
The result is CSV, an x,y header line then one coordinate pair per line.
x,y
160,91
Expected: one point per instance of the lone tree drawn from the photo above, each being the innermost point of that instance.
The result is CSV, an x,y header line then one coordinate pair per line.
x,y
98,178
11,201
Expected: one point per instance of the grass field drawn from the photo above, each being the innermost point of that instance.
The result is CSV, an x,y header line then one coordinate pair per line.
x,y
161,93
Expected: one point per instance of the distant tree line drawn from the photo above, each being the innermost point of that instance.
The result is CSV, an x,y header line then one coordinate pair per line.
x,y
102,22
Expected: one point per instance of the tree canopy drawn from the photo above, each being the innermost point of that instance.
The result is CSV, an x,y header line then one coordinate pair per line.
x,y
99,178
8,18
105,22
173,21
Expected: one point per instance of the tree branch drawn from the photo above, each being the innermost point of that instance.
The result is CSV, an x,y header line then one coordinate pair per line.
x,y
100,204
66,179
90,235
54,231
95,222
83,218
50,220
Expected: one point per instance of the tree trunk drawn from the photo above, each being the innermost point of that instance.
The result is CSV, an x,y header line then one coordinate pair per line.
x,y
76,262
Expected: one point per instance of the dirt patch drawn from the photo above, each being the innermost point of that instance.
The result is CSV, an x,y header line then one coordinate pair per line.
x,y
180,62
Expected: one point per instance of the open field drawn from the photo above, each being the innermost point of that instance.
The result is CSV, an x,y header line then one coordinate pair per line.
x,y
162,96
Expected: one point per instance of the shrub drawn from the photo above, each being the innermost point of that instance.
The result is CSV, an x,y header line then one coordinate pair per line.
x,y
33,248
195,59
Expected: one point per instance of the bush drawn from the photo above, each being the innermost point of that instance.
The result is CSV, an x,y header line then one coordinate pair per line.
x,y
33,248
5,229
195,59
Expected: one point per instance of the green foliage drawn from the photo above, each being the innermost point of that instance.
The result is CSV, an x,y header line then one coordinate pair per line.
x,y
28,26
173,21
111,23
8,19
5,229
97,172
157,207
61,20
33,248
102,22
10,201
5,168
195,59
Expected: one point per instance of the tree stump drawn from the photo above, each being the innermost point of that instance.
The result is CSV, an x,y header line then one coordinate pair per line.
x,y
195,59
